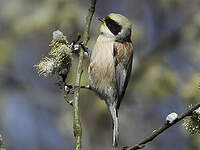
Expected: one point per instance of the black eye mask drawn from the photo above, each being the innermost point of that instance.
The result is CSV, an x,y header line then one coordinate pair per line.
x,y
113,26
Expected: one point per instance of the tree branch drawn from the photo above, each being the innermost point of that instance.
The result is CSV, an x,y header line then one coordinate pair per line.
x,y
1,141
77,123
158,131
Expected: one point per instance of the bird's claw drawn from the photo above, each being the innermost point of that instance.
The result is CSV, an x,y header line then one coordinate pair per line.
x,y
68,93
76,44
85,48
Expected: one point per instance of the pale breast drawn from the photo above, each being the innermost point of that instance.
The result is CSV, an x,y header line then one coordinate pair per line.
x,y
101,69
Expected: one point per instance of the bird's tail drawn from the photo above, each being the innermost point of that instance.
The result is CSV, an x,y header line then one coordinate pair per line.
x,y
114,115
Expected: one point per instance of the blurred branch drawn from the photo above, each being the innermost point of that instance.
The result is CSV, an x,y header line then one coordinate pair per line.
x,y
1,143
1,140
77,123
163,128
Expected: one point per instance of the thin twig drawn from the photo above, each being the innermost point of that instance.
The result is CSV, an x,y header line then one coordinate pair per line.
x,y
158,131
77,122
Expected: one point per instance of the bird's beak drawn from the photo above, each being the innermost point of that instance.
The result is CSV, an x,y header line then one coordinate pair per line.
x,y
100,19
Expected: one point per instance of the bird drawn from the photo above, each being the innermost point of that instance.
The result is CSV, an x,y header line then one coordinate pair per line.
x,y
111,64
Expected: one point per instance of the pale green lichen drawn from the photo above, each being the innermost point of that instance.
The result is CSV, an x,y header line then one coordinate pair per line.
x,y
59,56
192,123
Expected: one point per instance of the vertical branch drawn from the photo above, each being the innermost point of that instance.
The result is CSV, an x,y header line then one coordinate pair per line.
x,y
1,141
77,122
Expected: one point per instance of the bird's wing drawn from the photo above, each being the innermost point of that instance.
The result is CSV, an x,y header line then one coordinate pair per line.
x,y
123,56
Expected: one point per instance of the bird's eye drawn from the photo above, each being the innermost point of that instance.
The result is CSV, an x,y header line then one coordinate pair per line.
x,y
113,26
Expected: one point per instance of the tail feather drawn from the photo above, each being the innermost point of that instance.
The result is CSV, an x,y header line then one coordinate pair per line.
x,y
114,115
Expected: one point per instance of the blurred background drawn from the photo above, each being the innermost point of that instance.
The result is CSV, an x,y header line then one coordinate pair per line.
x,y
33,112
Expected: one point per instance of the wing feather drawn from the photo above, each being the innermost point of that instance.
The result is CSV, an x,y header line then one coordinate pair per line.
x,y
123,56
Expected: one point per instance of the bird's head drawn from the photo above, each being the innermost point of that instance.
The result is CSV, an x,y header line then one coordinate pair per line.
x,y
117,26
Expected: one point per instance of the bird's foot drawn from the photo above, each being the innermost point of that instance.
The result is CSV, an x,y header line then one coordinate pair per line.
x,y
69,90
70,86
77,44
85,48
